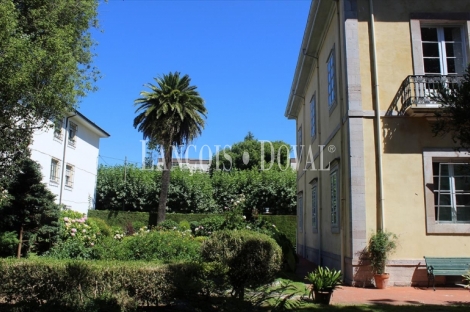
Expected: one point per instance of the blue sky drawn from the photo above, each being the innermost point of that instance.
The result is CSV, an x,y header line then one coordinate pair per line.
x,y
240,54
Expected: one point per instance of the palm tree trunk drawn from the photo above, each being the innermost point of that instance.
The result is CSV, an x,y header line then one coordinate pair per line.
x,y
165,184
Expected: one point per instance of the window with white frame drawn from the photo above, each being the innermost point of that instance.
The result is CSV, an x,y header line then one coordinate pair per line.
x,y
334,189
314,207
69,174
299,142
443,50
73,128
313,113
58,128
55,169
300,213
451,192
331,79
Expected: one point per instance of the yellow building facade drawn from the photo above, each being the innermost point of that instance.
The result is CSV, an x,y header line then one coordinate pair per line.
x,y
361,98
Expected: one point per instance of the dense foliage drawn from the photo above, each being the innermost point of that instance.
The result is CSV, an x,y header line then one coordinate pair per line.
x,y
284,224
253,154
132,189
53,285
454,115
45,66
252,259
30,212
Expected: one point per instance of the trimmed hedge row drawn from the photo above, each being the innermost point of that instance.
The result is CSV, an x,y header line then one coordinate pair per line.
x,y
286,224
48,284
132,189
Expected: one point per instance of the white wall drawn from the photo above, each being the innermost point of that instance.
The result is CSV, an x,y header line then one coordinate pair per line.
x,y
83,157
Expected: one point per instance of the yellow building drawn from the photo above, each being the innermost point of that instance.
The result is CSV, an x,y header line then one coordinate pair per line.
x,y
360,98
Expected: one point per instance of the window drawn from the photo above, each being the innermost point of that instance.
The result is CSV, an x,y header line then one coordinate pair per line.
x,y
55,169
313,125
451,192
300,213
331,79
58,128
446,198
72,134
443,50
69,173
299,142
314,207
334,199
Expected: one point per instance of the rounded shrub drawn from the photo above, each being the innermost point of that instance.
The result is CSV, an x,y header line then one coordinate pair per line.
x,y
252,258
168,225
184,225
207,226
104,228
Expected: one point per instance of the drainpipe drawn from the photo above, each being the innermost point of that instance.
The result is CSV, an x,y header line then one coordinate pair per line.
x,y
342,163
320,206
63,158
378,141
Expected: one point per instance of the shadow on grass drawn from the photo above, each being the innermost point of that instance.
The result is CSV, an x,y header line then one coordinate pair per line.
x,y
229,305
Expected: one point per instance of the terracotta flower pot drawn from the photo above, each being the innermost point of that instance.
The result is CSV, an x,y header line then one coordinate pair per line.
x,y
381,280
322,297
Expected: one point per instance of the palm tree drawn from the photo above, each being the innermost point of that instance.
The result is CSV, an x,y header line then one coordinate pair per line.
x,y
170,115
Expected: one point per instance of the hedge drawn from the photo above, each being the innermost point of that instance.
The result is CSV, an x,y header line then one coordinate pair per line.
x,y
48,284
132,189
287,224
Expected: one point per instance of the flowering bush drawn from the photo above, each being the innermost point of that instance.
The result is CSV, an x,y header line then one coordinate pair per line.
x,y
74,225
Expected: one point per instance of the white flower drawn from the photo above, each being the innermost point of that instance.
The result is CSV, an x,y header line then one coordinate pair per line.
x,y
244,217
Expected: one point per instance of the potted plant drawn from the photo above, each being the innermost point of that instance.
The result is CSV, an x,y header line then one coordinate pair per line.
x,y
324,282
381,245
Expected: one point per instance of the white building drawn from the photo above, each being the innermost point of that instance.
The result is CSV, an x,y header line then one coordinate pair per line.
x,y
68,155
187,163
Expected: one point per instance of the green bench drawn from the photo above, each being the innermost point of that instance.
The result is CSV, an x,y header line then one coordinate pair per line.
x,y
446,266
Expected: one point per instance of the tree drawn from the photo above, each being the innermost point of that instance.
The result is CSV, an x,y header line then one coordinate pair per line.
x,y
30,211
253,154
171,115
454,116
45,67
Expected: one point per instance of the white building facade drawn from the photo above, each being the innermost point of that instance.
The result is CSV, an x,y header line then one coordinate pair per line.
x,y
68,155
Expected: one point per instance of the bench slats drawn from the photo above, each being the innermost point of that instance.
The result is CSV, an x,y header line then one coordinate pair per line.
x,y
446,266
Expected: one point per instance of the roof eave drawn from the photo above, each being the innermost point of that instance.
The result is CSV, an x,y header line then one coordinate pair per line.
x,y
316,24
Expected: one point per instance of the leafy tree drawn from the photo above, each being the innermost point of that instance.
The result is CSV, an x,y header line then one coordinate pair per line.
x,y
31,211
253,154
454,116
170,115
45,66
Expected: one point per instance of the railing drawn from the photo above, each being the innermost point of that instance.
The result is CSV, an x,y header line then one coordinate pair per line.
x,y
422,90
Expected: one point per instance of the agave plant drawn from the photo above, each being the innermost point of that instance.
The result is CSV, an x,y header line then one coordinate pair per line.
x,y
323,280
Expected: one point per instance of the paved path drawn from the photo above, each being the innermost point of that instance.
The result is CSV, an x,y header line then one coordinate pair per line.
x,y
393,295
401,296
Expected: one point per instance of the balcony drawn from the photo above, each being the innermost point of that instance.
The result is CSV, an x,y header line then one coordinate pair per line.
x,y
417,95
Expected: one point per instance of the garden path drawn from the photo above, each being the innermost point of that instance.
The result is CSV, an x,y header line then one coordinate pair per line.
x,y
348,295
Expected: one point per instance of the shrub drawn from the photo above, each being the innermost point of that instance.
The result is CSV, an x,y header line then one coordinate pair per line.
x,y
167,225
252,259
103,227
184,225
207,226
53,285
8,244
381,245
170,246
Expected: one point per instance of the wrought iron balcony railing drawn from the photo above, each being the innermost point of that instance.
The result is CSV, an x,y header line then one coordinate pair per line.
x,y
422,92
